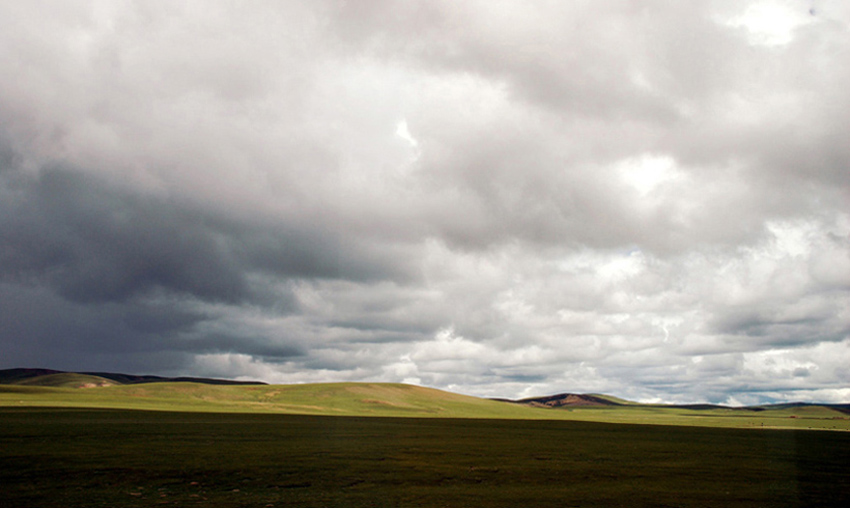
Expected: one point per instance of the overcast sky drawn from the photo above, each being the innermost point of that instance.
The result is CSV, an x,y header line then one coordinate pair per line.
x,y
498,198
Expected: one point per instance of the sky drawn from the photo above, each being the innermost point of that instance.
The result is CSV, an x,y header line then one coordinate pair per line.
x,y
497,198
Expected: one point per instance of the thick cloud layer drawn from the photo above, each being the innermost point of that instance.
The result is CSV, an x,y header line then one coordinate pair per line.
x,y
502,199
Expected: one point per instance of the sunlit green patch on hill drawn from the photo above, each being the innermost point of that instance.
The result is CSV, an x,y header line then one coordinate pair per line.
x,y
387,400
341,399
46,388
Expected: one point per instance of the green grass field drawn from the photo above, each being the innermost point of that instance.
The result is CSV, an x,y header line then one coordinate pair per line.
x,y
803,418
333,399
384,399
64,457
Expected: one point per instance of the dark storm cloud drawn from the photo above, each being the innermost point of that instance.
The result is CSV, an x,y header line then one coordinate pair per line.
x,y
96,242
120,271
262,347
40,328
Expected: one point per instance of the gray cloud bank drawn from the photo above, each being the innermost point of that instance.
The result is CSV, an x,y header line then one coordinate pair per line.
x,y
504,199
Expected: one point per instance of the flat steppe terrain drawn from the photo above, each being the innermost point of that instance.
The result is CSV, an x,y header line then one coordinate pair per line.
x,y
77,457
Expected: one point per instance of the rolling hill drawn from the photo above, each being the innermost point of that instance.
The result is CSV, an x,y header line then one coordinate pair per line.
x,y
568,400
335,399
575,400
36,376
48,388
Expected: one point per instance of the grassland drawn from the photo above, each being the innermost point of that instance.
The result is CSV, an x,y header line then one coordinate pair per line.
x,y
66,457
333,399
384,400
805,417
74,440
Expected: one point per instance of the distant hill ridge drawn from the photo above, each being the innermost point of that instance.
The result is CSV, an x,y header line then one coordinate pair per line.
x,y
570,400
566,400
52,377
38,377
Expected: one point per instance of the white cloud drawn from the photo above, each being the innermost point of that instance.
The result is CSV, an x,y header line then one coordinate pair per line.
x,y
772,23
403,132
646,172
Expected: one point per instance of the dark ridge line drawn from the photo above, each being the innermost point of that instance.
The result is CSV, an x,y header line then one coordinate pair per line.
x,y
564,400
19,374
572,400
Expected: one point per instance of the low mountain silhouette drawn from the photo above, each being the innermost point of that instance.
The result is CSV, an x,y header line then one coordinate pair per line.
x,y
566,400
571,400
30,376
59,378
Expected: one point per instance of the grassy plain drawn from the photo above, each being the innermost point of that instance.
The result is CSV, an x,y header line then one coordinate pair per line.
x,y
389,400
72,457
803,418
333,399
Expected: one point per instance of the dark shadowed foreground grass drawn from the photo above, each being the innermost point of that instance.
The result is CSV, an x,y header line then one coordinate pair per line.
x,y
100,458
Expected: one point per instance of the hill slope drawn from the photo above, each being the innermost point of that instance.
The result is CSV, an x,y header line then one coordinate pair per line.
x,y
23,388
341,399
567,400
